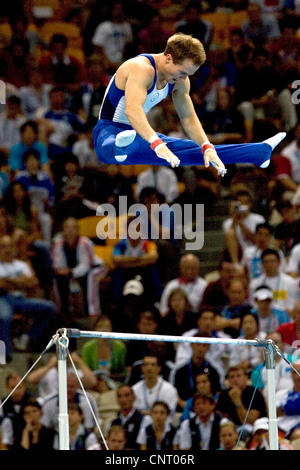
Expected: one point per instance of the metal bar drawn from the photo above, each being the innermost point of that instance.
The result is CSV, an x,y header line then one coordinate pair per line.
x,y
74,333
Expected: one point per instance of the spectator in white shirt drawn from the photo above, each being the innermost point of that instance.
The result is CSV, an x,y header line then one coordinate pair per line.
x,y
189,280
287,164
153,388
252,254
112,36
284,287
162,178
239,228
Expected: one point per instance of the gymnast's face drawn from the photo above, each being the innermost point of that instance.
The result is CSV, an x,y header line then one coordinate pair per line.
x,y
174,73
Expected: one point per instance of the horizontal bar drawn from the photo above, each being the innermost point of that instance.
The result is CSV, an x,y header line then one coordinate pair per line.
x,y
75,333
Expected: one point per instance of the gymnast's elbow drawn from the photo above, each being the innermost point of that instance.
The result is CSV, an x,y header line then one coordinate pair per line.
x,y
133,112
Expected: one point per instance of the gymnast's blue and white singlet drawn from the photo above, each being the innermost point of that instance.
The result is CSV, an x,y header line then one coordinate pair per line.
x,y
112,121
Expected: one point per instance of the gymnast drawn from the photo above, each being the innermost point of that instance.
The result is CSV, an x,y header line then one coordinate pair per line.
x,y
124,135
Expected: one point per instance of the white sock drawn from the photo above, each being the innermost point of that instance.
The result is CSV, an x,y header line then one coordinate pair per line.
x,y
275,140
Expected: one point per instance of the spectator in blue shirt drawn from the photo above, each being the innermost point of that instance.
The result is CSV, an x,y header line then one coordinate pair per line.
x,y
41,191
65,124
29,141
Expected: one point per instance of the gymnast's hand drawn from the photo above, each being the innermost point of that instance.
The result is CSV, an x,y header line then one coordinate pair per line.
x,y
165,153
211,156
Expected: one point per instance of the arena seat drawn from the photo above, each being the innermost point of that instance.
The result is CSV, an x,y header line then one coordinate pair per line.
x,y
70,30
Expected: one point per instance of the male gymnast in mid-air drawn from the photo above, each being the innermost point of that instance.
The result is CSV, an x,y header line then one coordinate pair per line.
x,y
124,135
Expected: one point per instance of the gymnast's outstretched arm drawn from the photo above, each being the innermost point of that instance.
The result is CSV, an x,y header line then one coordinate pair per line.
x,y
190,122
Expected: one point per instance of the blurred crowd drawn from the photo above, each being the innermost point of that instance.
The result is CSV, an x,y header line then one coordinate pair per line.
x,y
60,268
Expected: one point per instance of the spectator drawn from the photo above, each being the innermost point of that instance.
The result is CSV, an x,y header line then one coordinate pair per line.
x,y
183,376
10,123
247,357
269,317
239,228
234,401
105,395
162,178
87,100
287,232
215,293
4,174
153,37
159,223
75,395
112,36
203,384
283,378
23,30
41,190
124,313
128,417
17,202
287,402
206,326
215,74
35,95
104,353
239,51
77,268
251,257
153,387
229,437
80,437
62,123
179,318
17,282
287,48
134,255
116,438
29,141
270,91
225,125
18,61
165,354
147,322
193,24
11,410
287,164
274,9
60,68
290,331
292,267
189,280
84,150
260,29
284,287
71,191
33,435
229,319
45,378
260,440
27,233
201,432
160,434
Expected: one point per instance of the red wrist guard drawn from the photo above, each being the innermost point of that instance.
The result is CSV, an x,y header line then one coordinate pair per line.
x,y
207,146
156,143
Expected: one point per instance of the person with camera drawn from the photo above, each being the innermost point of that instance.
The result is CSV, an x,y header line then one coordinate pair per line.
x,y
239,228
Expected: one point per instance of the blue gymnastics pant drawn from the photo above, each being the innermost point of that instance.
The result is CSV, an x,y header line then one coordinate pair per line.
x,y
189,153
